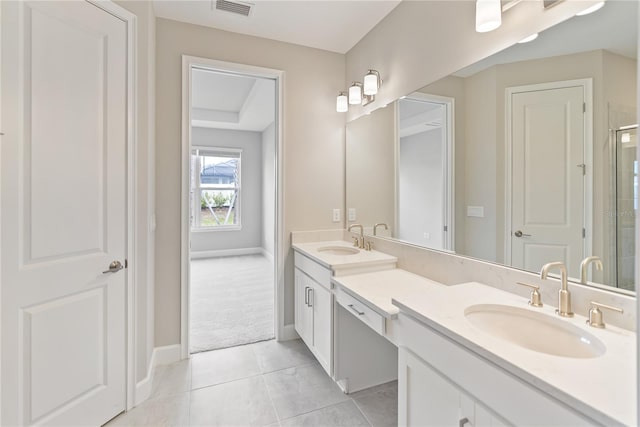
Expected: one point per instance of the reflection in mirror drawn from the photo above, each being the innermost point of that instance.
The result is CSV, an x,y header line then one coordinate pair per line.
x,y
536,161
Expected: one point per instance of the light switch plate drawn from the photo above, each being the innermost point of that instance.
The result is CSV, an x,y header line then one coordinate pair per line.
x,y
352,214
475,211
336,215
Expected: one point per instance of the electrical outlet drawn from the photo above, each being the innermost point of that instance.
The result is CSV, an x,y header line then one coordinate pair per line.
x,y
352,214
336,215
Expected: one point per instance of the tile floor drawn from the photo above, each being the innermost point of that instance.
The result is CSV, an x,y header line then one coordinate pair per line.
x,y
262,384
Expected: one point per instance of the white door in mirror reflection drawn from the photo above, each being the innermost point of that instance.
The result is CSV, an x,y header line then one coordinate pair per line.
x,y
547,172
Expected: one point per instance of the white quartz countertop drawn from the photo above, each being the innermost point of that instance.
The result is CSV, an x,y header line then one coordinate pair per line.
x,y
379,288
336,262
603,388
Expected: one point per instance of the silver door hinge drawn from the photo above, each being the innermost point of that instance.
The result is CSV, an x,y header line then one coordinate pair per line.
x,y
584,107
584,233
584,168
446,228
126,263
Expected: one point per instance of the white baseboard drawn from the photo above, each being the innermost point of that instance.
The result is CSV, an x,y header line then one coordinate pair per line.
x,y
167,354
266,254
289,333
160,356
225,252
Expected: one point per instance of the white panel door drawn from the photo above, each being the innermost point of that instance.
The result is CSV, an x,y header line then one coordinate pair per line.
x,y
63,213
547,178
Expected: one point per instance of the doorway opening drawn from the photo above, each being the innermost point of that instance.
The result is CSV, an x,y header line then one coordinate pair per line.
x,y
230,198
424,171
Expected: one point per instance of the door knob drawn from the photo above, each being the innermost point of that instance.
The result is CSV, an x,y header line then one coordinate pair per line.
x,y
521,234
114,267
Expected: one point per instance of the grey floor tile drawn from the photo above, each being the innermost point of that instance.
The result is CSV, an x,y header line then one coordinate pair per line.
x,y
220,366
379,404
273,355
172,379
341,414
160,412
244,402
296,391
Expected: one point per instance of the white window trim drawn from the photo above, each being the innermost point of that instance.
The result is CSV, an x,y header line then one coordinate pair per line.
x,y
197,190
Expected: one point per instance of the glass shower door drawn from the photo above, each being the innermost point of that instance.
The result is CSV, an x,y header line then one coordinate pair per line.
x,y
626,195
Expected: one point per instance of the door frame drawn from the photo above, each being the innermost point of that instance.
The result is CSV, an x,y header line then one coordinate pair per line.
x,y
448,163
130,19
188,62
587,87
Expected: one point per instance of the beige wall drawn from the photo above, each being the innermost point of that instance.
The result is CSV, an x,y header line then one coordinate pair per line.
x,y
144,181
313,137
420,42
370,170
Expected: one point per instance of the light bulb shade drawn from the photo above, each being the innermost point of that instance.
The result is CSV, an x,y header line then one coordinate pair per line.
x,y
371,82
355,94
626,138
488,15
342,103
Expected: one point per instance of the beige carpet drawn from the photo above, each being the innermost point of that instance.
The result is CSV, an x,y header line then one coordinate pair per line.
x,y
232,302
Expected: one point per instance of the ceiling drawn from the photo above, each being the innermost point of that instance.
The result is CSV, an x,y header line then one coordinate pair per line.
x,y
229,101
334,25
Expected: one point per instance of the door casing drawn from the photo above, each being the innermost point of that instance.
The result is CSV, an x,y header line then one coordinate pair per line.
x,y
188,62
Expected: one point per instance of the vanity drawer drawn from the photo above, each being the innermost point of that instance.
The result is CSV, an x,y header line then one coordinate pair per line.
x,y
317,272
361,311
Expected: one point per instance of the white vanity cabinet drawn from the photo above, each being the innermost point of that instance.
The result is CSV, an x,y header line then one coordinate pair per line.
x,y
314,309
437,378
427,398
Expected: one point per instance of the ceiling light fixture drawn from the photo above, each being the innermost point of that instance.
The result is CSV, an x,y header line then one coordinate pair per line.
x,y
591,9
488,15
359,93
531,38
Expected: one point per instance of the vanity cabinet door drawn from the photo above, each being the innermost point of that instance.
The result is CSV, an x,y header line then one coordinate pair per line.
x,y
425,397
303,311
322,331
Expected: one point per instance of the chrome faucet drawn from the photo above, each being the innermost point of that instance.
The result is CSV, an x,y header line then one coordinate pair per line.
x,y
359,242
380,224
584,265
564,296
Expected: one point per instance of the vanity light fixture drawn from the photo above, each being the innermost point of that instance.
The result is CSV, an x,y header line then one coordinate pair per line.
x,y
371,82
591,9
488,15
342,103
625,138
359,93
531,38
355,93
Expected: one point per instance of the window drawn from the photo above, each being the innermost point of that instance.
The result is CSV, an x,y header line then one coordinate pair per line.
x,y
215,188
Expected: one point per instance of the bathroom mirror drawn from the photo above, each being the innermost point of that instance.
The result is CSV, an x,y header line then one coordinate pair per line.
x,y
526,157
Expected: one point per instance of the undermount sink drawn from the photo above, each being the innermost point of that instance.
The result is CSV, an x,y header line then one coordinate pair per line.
x,y
338,250
535,331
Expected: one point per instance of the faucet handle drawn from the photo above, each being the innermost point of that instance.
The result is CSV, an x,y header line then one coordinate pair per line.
x,y
595,315
535,299
356,242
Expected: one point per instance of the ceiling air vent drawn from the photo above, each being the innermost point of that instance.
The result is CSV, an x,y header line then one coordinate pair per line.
x,y
237,7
